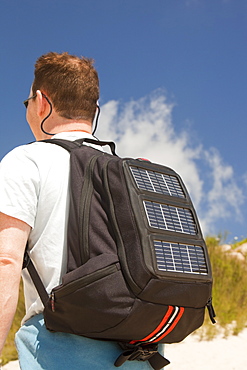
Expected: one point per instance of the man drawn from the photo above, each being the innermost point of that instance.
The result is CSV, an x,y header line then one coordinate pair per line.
x,y
34,207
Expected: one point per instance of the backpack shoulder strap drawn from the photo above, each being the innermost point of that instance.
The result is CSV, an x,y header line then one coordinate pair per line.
x,y
66,144
27,263
70,145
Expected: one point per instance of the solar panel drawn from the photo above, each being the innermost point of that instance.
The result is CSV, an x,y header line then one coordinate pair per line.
x,y
171,218
175,257
177,243
157,182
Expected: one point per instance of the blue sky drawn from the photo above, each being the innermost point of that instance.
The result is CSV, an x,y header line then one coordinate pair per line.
x,y
173,86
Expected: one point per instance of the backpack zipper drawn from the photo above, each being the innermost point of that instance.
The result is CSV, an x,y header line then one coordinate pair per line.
x,y
211,311
69,288
86,195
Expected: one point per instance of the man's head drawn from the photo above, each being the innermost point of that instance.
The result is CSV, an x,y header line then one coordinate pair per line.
x,y
70,82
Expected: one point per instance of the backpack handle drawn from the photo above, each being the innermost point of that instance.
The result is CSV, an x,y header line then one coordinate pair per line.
x,y
111,144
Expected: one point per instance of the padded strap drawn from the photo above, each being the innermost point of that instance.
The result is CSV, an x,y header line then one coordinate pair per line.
x,y
27,263
70,145
66,144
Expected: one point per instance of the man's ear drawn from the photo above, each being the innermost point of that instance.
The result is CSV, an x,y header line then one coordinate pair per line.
x,y
42,105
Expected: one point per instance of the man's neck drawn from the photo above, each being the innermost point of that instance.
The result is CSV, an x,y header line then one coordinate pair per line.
x,y
69,126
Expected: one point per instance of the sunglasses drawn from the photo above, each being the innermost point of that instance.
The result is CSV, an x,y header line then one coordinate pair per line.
x,y
27,100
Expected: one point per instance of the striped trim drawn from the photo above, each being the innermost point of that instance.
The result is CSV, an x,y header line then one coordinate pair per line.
x,y
167,324
172,323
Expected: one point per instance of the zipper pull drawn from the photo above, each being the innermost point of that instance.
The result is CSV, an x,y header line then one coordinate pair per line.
x,y
211,311
52,300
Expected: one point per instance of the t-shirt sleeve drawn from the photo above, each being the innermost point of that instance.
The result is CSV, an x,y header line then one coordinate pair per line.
x,y
19,185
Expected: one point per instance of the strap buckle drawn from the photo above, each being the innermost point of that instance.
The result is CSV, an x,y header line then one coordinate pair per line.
x,y
142,353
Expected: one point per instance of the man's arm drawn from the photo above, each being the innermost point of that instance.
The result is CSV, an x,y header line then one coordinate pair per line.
x,y
13,238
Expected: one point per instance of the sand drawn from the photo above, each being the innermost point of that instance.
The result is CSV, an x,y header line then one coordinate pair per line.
x,y
218,354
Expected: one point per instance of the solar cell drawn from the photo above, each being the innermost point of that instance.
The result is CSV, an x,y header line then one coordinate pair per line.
x,y
167,217
175,257
157,182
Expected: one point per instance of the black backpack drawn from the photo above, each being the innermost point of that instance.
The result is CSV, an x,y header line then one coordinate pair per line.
x,y
138,269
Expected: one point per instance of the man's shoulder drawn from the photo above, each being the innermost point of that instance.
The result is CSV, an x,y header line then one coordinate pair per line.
x,y
35,152
21,151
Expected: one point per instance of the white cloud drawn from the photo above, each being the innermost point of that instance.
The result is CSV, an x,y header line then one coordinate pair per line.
x,y
245,178
224,197
144,128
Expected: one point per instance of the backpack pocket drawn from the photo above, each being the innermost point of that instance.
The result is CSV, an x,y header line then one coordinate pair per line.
x,y
93,299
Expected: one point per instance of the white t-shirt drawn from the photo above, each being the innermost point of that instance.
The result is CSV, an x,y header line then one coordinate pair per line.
x,y
34,188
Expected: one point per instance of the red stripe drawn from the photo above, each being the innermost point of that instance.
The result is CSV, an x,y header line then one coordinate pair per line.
x,y
162,323
181,311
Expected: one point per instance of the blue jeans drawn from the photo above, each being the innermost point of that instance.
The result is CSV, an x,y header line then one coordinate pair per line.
x,y
39,349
